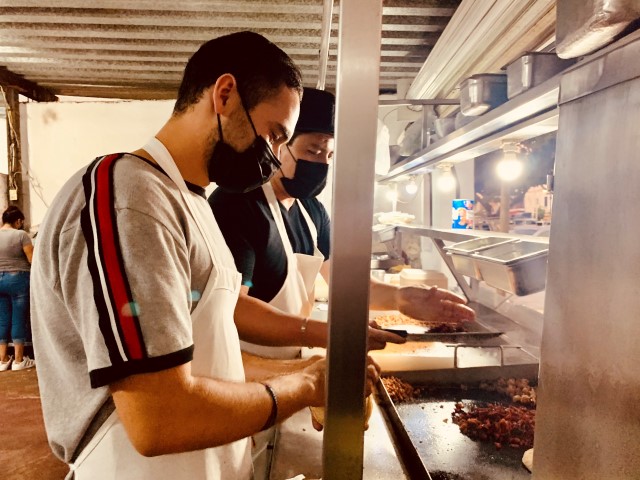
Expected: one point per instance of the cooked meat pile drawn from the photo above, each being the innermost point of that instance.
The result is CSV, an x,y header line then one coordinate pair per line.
x,y
399,391
502,425
386,321
447,328
518,390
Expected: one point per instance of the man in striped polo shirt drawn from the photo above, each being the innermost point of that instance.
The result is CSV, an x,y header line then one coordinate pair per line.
x,y
134,288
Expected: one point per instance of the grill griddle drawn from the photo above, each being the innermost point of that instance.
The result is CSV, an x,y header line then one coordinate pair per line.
x,y
432,446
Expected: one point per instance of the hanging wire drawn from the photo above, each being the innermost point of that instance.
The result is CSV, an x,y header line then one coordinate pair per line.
x,y
14,154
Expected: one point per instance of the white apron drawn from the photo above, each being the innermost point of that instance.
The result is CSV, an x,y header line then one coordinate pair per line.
x,y
110,455
297,293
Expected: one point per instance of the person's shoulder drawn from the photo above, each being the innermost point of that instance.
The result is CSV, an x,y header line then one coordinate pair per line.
x,y
140,184
223,199
143,187
313,205
131,170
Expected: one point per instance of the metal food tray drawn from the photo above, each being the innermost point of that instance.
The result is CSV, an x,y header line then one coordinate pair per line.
x,y
383,233
482,92
516,267
532,69
460,253
432,448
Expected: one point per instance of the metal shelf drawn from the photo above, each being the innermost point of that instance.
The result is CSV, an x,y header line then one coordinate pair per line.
x,y
528,115
460,235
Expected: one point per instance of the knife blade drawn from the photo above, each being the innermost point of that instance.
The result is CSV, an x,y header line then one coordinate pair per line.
x,y
442,336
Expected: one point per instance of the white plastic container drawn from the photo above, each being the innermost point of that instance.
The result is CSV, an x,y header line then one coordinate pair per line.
x,y
416,276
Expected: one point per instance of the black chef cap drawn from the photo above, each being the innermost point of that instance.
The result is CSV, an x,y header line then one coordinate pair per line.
x,y
317,112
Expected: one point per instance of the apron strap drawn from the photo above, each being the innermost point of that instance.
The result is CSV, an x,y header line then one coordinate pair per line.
x,y
274,206
310,225
93,443
160,154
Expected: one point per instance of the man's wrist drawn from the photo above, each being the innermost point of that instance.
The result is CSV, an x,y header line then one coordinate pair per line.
x,y
396,297
273,416
304,333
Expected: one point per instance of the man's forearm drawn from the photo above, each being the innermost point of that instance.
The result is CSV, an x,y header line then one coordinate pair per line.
x,y
382,296
260,323
196,413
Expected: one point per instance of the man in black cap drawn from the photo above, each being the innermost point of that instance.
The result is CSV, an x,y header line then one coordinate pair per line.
x,y
279,236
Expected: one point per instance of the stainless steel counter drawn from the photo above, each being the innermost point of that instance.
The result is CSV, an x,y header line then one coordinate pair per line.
x,y
298,447
298,450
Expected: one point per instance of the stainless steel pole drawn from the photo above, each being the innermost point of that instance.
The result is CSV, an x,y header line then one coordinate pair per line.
x,y
325,36
356,121
505,205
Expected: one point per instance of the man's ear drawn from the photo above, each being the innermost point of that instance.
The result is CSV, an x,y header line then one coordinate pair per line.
x,y
222,93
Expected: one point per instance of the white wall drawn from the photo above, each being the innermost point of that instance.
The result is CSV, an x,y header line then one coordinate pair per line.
x,y
61,138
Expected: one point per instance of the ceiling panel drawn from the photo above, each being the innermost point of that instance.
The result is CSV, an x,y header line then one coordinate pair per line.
x,y
138,48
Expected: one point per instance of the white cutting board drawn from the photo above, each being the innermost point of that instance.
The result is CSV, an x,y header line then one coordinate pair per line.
x,y
413,356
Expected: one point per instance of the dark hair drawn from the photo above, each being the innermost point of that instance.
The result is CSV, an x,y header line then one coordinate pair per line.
x,y
11,215
293,137
259,66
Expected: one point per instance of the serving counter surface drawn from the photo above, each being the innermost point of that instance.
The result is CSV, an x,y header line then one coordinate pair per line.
x,y
298,450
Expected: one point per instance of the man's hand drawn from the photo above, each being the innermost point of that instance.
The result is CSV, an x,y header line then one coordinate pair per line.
x,y
378,338
373,374
433,304
316,375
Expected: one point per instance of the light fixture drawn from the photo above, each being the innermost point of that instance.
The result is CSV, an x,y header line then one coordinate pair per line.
x,y
411,187
510,167
446,181
392,196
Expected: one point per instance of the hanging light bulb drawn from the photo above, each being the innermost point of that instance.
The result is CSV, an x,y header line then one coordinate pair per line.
x,y
392,196
510,167
446,181
411,187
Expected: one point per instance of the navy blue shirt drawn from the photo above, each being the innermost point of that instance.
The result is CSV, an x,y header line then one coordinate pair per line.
x,y
251,233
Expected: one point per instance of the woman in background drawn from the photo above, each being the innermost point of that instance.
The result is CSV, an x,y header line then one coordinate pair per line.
x,y
16,251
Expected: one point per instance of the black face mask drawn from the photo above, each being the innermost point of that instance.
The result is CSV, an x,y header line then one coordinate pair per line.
x,y
308,180
241,172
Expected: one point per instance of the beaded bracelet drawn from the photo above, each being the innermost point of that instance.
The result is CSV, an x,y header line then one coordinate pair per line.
x,y
274,408
303,330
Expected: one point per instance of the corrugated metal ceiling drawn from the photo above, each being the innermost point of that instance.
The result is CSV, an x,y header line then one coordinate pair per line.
x,y
138,48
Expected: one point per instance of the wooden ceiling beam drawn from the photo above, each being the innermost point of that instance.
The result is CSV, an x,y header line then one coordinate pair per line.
x,y
26,87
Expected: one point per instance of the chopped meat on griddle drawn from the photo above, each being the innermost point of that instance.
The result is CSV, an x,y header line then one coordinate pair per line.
x,y
399,390
502,425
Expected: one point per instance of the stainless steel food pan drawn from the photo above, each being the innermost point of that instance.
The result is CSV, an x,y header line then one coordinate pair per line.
x,y
384,262
532,69
383,233
517,267
480,93
444,126
460,253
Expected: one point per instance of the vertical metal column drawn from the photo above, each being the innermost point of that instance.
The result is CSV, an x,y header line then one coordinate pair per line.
x,y
505,206
15,181
356,120
587,420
